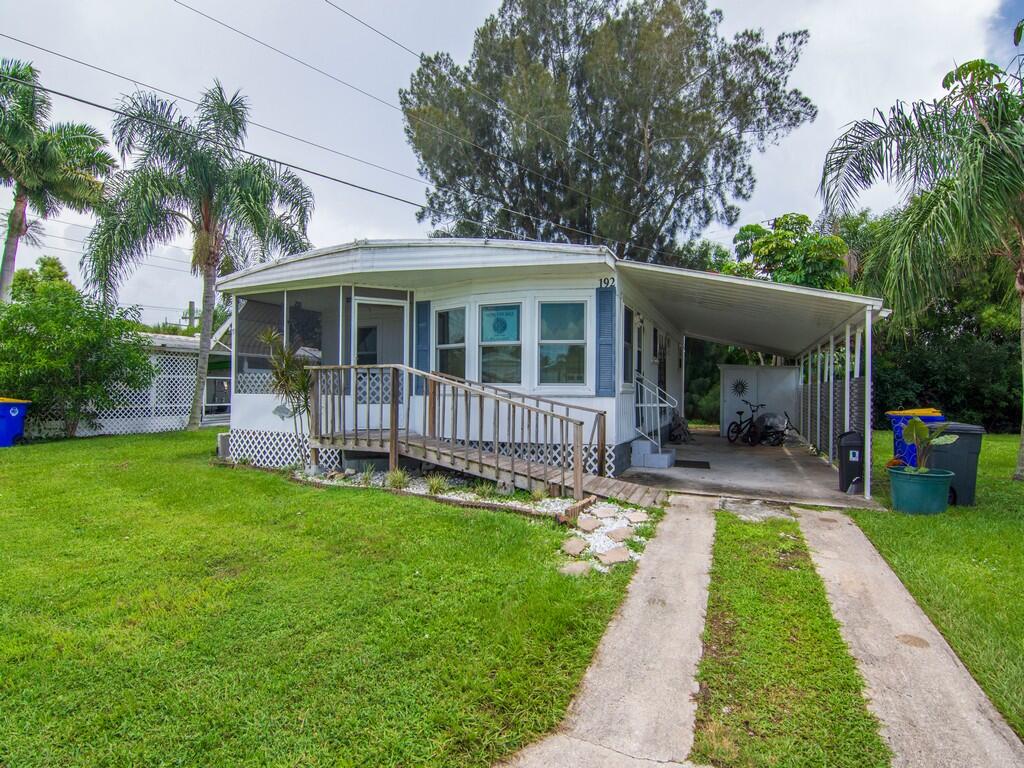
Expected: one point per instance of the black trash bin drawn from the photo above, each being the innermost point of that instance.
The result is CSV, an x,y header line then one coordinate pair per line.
x,y
851,462
960,458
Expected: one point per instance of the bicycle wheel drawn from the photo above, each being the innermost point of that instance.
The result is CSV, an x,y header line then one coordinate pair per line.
x,y
734,431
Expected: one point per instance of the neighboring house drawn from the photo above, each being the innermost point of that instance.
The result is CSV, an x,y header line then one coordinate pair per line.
x,y
548,337
164,406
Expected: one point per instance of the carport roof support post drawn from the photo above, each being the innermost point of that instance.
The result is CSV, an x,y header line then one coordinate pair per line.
x,y
831,393
867,403
846,380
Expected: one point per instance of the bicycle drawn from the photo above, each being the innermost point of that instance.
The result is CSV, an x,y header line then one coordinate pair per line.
x,y
777,437
742,427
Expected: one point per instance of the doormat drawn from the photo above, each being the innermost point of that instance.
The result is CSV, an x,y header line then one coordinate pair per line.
x,y
692,464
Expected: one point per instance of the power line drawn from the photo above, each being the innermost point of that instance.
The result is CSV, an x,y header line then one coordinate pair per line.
x,y
142,264
397,107
256,155
481,93
136,82
500,206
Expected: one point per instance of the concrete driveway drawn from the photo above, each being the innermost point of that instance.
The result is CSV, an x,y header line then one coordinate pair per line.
x,y
788,473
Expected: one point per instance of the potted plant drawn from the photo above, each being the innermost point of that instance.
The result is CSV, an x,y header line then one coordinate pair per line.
x,y
921,490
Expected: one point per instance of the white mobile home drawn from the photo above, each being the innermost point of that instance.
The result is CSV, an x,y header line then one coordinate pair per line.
x,y
555,355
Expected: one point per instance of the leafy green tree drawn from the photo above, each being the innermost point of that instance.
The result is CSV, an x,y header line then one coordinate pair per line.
x,y
68,353
48,270
635,121
48,165
961,160
191,177
790,251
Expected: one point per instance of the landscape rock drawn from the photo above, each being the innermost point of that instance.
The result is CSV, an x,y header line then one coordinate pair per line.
x,y
587,523
604,510
638,516
620,534
579,568
574,546
613,556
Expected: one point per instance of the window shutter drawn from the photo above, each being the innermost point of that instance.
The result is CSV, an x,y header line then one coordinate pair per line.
x,y
422,341
605,381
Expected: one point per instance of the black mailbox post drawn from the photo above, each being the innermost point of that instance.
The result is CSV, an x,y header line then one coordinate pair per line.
x,y
851,462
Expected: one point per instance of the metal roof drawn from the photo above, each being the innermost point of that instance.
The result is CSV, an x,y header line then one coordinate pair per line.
x,y
774,318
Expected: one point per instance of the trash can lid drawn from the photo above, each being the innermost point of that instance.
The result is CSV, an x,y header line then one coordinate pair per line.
x,y
13,400
959,428
851,436
915,412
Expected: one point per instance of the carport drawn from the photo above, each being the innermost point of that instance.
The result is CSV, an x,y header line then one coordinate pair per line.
x,y
826,334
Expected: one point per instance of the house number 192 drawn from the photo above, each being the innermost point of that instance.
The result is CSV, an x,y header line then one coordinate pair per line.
x,y
606,282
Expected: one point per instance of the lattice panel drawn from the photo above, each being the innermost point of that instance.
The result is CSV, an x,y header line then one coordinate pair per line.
x,y
374,386
163,407
266,448
255,382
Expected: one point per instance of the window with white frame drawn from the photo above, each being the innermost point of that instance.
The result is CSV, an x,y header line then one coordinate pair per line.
x,y
501,348
451,341
562,347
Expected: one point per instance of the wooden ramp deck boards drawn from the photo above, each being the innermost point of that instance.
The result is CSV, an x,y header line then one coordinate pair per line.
x,y
489,465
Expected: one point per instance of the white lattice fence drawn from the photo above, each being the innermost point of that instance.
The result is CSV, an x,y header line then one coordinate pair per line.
x,y
162,407
265,448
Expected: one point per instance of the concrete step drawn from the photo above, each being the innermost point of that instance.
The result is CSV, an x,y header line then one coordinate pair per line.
x,y
652,458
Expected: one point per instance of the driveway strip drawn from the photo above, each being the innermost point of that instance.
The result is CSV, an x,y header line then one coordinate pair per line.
x,y
932,711
636,704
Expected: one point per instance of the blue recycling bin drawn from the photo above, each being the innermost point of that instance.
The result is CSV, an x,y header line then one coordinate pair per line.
x,y
12,420
907,452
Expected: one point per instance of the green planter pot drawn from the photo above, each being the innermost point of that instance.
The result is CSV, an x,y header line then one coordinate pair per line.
x,y
920,493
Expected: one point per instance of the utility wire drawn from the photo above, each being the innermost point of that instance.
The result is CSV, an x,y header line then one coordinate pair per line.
x,y
397,107
258,156
136,82
484,95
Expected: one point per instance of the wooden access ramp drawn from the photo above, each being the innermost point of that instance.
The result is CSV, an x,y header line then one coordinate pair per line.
x,y
525,441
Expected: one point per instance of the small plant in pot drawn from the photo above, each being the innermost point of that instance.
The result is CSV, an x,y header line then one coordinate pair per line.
x,y
921,490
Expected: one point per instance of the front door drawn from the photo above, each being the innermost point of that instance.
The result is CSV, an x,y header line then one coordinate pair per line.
x,y
379,338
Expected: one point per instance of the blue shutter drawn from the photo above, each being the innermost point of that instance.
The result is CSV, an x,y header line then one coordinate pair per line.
x,y
422,341
605,386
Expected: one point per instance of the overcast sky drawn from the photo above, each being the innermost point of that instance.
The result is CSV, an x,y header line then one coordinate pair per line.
x,y
862,54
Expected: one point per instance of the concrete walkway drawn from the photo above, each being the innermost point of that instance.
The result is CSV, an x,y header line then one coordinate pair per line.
x,y
932,711
635,706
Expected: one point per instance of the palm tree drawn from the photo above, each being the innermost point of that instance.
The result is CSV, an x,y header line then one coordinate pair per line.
x,y
960,161
191,175
48,165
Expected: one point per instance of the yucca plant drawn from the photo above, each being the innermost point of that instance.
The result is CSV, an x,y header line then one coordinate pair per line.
x,y
396,479
290,379
437,484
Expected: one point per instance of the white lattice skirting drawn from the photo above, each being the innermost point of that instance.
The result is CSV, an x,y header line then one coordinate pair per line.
x,y
163,407
265,448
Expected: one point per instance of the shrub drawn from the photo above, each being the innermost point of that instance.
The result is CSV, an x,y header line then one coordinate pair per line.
x,y
437,484
366,476
539,493
69,354
397,479
485,489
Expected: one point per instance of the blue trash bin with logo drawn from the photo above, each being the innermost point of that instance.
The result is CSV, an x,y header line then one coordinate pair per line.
x,y
907,452
12,420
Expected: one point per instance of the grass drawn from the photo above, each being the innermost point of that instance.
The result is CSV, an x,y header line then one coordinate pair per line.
x,y
965,568
777,684
156,610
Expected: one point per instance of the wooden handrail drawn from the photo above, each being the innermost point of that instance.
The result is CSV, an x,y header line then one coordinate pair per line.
x,y
447,434
514,393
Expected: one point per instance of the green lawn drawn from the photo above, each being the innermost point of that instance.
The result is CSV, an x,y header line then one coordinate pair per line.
x,y
966,569
778,686
156,610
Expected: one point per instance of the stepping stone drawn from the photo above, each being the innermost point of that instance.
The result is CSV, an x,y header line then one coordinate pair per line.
x,y
579,568
604,511
613,556
574,546
637,516
620,534
588,524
